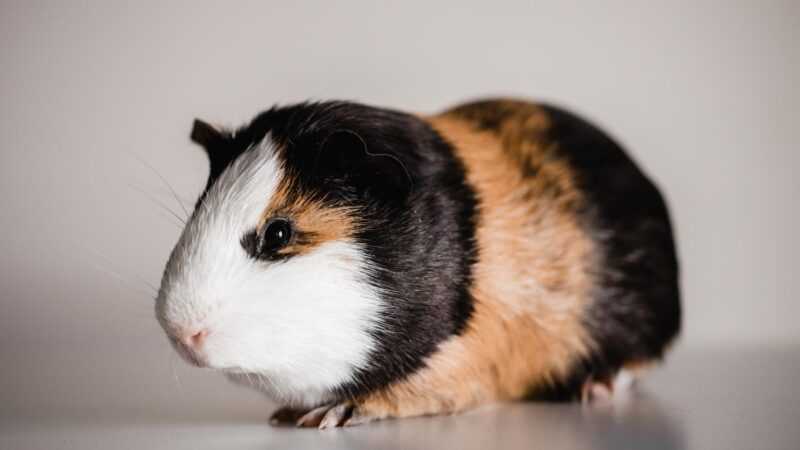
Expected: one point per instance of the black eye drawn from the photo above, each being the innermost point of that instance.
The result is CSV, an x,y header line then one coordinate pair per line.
x,y
277,234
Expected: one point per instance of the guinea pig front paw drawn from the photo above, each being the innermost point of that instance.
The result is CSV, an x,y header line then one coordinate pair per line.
x,y
334,415
287,416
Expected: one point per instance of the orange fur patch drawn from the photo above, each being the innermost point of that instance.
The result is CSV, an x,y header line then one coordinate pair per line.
x,y
530,283
315,222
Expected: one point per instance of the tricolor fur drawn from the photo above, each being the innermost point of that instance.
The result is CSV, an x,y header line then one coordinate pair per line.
x,y
496,251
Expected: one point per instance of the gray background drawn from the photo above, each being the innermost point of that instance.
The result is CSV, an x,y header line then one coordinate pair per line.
x,y
703,94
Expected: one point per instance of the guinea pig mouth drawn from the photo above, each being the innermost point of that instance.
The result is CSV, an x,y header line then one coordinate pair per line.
x,y
190,356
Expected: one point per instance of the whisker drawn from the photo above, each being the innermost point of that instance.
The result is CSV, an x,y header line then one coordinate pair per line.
x,y
152,169
123,279
275,387
249,380
159,202
166,217
119,264
158,189
174,372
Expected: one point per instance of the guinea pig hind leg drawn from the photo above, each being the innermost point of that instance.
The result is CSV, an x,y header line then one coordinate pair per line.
x,y
597,388
602,386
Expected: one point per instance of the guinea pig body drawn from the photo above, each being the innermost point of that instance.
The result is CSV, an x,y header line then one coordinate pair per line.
x,y
358,263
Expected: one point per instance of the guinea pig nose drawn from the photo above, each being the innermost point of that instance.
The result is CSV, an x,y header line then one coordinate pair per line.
x,y
193,338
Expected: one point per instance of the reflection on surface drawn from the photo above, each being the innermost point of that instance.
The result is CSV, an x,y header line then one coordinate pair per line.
x,y
634,420
718,399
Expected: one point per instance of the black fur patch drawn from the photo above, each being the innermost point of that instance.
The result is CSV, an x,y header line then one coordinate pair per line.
x,y
418,217
636,307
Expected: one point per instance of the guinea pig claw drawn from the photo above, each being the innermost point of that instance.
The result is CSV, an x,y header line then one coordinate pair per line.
x,y
313,418
332,416
336,416
357,418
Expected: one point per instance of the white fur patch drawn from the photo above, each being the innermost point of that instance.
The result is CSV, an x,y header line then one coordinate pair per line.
x,y
297,327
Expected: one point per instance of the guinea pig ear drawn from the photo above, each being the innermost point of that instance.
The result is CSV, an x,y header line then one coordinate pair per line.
x,y
345,158
215,143
206,134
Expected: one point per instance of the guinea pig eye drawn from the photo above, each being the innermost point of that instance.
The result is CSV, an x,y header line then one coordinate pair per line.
x,y
276,235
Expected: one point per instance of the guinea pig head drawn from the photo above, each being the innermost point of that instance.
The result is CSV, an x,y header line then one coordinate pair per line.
x,y
268,277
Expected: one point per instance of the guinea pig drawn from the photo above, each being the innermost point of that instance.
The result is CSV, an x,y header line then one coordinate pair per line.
x,y
358,263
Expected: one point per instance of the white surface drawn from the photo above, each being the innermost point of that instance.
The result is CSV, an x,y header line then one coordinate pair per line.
x,y
711,399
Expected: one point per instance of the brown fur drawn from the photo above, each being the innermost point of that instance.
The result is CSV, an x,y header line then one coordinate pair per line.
x,y
315,222
530,283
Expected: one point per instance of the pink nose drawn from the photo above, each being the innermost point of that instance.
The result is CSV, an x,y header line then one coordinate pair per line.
x,y
191,341
192,338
